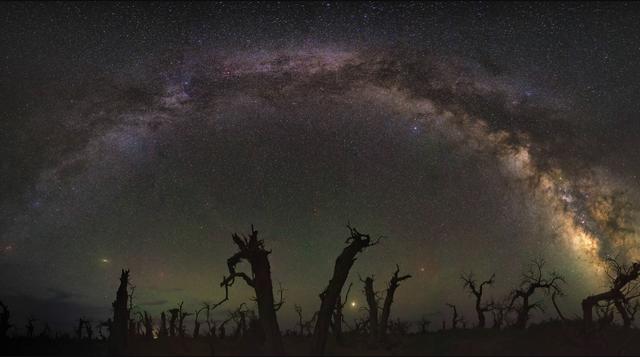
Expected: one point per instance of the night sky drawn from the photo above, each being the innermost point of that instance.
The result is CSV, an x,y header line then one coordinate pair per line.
x,y
472,136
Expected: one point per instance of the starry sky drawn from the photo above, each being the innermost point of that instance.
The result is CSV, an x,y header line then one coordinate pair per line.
x,y
472,136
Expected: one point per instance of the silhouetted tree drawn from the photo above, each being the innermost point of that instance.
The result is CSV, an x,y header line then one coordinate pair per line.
x,y
477,290
239,316
252,250
163,332
623,287
173,322
399,327
88,327
30,327
148,325
388,300
108,324
329,297
80,328
424,325
305,327
196,323
372,302
298,310
182,315
211,330
499,310
533,279
118,336
455,319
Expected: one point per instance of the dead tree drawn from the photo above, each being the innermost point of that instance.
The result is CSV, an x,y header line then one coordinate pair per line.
x,y
182,315
148,325
88,329
424,325
252,250
196,324
623,287
372,303
5,320
388,300
305,327
30,327
211,331
455,319
108,324
477,290
399,327
239,316
532,280
338,317
81,327
298,310
173,322
118,336
555,294
499,311
163,332
329,297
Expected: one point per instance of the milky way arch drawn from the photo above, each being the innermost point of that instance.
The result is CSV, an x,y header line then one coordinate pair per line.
x,y
113,128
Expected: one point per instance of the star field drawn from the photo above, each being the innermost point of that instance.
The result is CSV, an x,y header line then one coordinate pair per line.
x,y
472,136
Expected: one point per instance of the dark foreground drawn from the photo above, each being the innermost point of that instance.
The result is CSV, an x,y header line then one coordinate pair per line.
x,y
545,339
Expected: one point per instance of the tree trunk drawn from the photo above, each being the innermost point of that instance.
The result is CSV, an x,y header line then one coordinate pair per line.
x,y
337,321
373,309
266,311
591,301
119,331
252,250
388,300
480,312
357,242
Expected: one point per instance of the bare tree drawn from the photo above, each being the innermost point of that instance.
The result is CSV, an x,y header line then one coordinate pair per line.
x,y
182,315
424,325
298,310
30,326
477,290
196,323
119,330
148,325
80,328
455,319
88,327
252,250
373,299
388,300
533,279
356,243
499,311
173,322
108,324
304,326
623,287
163,332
